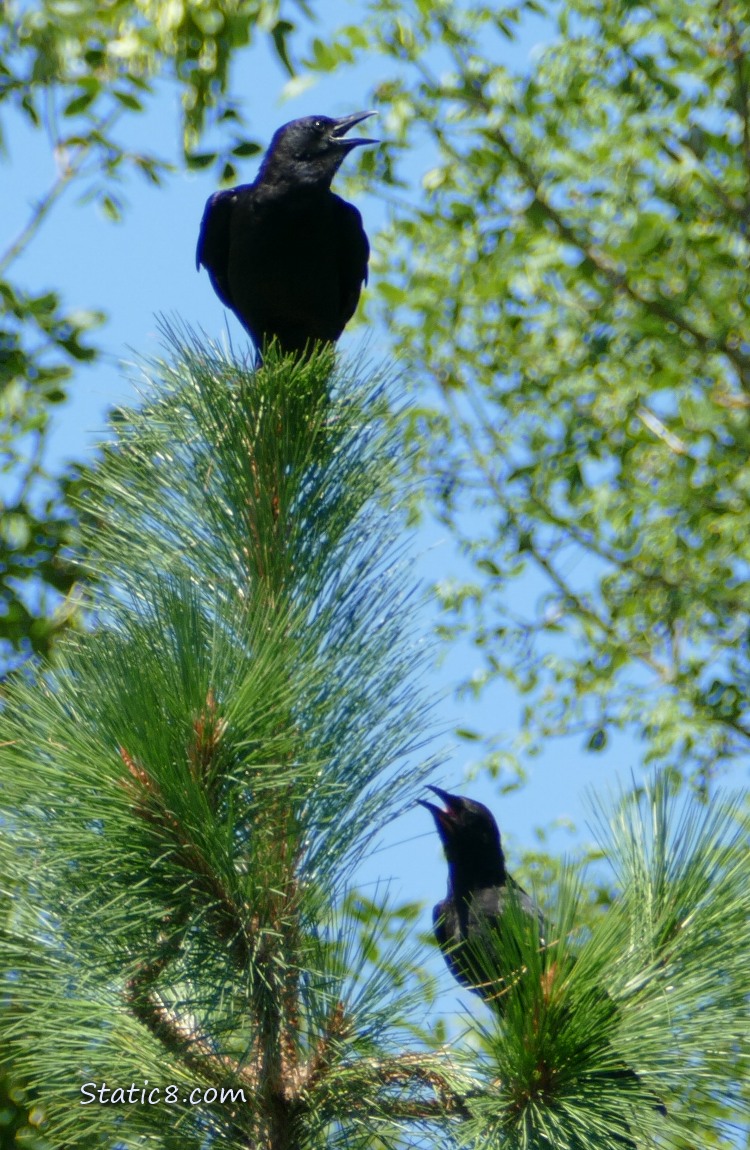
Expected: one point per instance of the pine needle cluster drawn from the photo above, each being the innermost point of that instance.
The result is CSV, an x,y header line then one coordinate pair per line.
x,y
632,1030
188,790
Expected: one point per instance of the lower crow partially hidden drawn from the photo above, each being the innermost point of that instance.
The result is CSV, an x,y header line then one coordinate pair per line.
x,y
469,922
285,253
479,892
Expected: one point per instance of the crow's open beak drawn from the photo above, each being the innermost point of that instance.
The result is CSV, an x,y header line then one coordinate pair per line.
x,y
444,818
342,126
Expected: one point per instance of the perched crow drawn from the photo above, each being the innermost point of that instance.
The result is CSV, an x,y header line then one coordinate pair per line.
x,y
469,920
285,253
479,890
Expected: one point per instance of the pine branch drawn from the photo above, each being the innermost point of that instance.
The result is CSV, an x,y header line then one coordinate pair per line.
x,y
250,666
149,804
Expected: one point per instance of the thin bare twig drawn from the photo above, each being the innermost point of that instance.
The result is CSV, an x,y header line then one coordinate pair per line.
x,y
71,168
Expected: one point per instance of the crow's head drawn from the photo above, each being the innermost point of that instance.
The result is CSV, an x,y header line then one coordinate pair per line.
x,y
469,835
308,152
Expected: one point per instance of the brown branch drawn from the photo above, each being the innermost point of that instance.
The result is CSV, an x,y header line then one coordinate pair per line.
x,y
71,167
280,1104
406,1070
733,206
302,1080
617,279
194,1050
739,62
584,610
150,805
209,729
39,212
651,421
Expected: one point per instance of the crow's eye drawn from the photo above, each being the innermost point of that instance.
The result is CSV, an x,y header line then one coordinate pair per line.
x,y
318,125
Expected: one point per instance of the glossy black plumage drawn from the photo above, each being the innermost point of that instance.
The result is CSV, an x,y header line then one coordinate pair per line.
x,y
285,253
469,921
479,891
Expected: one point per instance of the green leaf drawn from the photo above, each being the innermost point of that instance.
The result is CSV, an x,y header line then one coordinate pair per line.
x,y
111,206
469,735
280,34
200,160
246,148
598,740
80,103
128,100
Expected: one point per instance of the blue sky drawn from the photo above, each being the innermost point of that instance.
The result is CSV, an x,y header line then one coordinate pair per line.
x,y
146,266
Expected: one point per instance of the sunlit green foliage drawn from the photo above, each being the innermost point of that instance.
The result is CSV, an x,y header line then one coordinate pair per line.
x,y
570,289
80,73
186,794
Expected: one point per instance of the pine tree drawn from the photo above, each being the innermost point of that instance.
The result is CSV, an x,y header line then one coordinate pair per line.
x,y
188,791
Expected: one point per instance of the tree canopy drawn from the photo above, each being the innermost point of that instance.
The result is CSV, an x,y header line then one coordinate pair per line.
x,y
79,74
570,291
567,280
188,791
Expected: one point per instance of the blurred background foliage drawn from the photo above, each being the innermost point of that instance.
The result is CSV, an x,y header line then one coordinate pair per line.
x,y
563,270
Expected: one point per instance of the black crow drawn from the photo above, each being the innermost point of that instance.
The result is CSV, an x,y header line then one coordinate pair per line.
x,y
285,253
479,891
469,922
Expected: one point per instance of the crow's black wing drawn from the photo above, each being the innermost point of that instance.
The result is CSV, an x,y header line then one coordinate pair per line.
x,y
491,956
467,934
214,241
529,907
353,254
447,927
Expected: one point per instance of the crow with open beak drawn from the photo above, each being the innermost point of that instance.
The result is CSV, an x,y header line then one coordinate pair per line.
x,y
285,253
468,921
475,930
